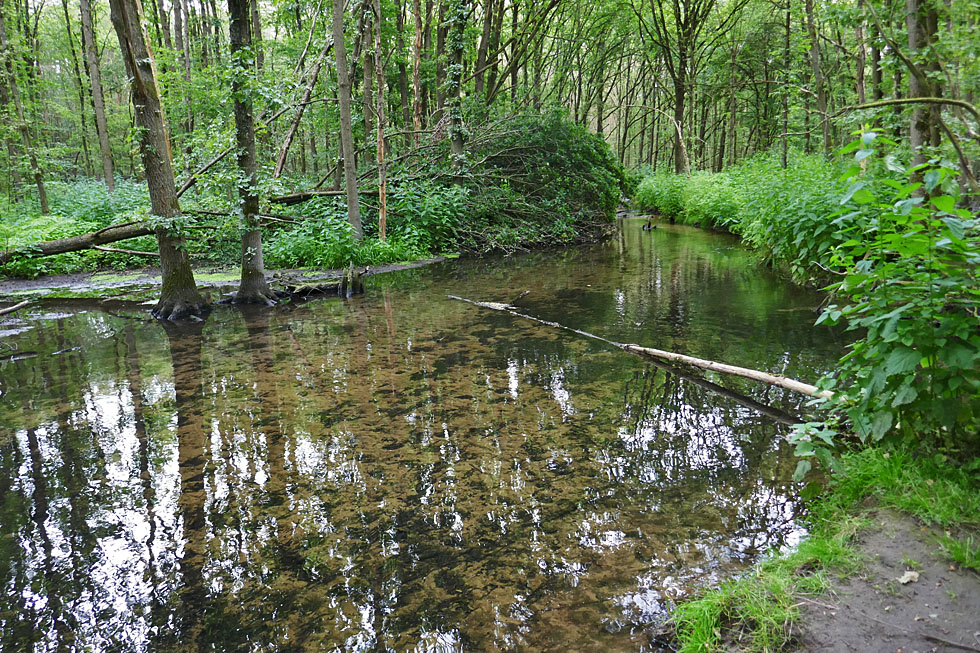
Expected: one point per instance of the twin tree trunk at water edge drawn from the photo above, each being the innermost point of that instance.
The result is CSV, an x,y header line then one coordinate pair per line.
x,y
179,297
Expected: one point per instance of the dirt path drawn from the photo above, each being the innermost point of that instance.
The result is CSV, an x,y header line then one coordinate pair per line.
x,y
908,598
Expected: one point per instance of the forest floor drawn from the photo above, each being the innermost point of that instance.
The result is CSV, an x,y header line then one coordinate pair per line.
x,y
139,284
907,596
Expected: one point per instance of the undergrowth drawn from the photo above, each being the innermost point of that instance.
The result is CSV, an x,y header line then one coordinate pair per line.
x,y
526,181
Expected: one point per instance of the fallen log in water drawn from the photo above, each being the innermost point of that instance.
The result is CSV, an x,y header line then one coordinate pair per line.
x,y
772,379
15,307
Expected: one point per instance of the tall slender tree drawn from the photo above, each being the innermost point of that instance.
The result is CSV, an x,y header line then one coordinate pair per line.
x,y
253,287
179,297
346,130
97,96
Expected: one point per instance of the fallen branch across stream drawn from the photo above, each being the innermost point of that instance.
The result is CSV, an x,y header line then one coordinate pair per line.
x,y
15,307
772,379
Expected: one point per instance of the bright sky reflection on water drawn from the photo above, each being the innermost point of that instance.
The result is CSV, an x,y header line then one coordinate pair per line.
x,y
400,471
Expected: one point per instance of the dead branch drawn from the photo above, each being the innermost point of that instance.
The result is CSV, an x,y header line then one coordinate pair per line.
x,y
755,375
124,251
15,307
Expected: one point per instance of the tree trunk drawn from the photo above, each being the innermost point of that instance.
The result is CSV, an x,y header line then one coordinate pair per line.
x,y
256,34
216,25
514,25
427,49
253,288
919,126
860,62
109,234
876,82
382,123
680,163
787,69
481,51
417,72
402,68
14,94
179,297
79,87
183,40
367,86
821,93
97,96
294,125
458,14
440,60
346,132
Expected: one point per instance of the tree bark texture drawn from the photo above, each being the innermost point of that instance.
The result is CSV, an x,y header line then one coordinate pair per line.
x,y
252,288
179,297
346,131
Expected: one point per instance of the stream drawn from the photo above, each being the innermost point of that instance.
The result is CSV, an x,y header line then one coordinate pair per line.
x,y
400,471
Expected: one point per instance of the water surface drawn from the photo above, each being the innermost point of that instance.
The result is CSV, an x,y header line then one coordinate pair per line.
x,y
400,471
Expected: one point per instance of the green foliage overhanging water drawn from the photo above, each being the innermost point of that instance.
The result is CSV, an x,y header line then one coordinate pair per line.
x,y
902,255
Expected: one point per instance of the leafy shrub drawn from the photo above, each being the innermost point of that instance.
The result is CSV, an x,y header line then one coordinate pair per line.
x,y
662,193
710,200
426,215
324,238
534,180
913,291
912,287
784,212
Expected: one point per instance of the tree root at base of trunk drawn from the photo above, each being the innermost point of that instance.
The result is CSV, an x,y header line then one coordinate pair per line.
x,y
271,298
173,310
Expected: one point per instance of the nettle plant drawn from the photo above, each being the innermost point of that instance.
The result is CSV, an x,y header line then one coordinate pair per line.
x,y
909,278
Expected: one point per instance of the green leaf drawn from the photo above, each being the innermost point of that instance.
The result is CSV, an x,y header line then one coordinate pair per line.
x,y
902,359
906,394
855,187
956,227
802,469
863,154
959,356
863,196
881,424
944,203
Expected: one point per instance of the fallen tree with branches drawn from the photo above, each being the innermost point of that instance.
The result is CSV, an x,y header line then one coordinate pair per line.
x,y
772,379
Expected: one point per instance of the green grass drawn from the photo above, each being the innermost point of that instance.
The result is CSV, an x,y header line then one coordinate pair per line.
x,y
757,609
962,551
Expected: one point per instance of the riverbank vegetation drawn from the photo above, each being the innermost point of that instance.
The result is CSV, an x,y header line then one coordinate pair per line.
x,y
432,208
840,140
761,608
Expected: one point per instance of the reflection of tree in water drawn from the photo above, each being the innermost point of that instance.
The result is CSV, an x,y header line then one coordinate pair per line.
x,y
388,473
185,354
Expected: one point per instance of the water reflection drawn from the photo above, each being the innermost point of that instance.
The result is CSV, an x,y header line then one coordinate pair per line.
x,y
401,472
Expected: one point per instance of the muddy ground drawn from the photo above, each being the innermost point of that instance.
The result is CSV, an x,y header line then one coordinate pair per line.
x,y
907,598
132,283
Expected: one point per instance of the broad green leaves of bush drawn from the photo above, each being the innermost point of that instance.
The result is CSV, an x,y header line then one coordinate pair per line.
x,y
912,291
